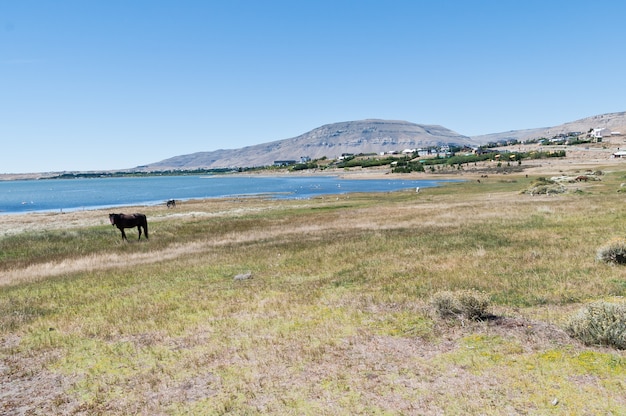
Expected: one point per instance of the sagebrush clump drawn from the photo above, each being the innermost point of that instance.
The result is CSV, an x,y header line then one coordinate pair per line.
x,y
544,186
600,323
467,304
613,252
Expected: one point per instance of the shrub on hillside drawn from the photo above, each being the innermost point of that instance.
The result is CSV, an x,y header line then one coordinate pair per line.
x,y
544,186
613,252
468,304
600,323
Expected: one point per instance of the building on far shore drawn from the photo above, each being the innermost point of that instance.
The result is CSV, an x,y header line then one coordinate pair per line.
x,y
281,163
599,133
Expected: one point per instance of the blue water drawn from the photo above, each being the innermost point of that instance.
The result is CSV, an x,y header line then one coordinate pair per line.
x,y
79,194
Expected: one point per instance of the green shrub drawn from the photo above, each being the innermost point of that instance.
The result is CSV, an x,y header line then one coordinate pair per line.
x,y
543,186
613,252
408,167
468,304
600,323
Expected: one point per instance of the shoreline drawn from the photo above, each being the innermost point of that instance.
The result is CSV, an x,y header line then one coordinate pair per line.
x,y
104,194
576,158
575,162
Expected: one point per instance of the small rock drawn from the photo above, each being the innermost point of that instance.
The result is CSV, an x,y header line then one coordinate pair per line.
x,y
555,401
243,276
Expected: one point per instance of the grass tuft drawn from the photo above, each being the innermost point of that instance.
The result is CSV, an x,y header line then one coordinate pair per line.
x,y
461,304
600,323
613,252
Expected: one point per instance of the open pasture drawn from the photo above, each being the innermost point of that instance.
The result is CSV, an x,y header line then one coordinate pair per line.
x,y
335,318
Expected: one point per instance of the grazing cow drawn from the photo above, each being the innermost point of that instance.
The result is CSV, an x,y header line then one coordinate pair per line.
x,y
582,178
122,221
171,203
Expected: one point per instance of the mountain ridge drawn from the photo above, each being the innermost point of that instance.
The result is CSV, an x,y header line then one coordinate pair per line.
x,y
330,140
612,121
366,136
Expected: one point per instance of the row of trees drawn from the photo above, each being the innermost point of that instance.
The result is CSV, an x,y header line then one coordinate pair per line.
x,y
411,163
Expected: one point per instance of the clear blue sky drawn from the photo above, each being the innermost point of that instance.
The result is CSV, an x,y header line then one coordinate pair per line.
x,y
98,85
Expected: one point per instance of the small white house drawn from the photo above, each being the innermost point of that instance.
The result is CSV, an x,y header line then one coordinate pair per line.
x,y
600,133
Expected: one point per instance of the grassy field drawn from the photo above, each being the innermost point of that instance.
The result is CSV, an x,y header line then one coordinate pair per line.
x,y
336,318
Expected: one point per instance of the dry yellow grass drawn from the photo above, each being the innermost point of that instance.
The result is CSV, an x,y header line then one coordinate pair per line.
x,y
336,317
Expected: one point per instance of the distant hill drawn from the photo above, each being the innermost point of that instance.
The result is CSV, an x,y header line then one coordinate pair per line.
x,y
610,121
368,136
331,140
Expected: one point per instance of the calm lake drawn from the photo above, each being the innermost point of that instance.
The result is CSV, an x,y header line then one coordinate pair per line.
x,y
81,194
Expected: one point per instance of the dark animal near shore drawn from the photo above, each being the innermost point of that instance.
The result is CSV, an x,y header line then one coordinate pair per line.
x,y
122,221
171,203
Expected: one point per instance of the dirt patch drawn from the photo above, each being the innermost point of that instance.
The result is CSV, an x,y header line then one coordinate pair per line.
x,y
18,223
27,388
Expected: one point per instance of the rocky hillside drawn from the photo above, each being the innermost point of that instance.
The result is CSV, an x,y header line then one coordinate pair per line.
x,y
368,136
331,140
610,121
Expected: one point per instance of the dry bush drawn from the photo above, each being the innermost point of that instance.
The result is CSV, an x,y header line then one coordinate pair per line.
x,y
544,186
613,252
467,304
600,323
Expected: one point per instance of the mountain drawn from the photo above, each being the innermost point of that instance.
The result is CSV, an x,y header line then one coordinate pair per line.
x,y
609,121
369,136
331,140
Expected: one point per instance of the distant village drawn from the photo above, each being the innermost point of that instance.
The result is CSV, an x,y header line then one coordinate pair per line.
x,y
595,135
